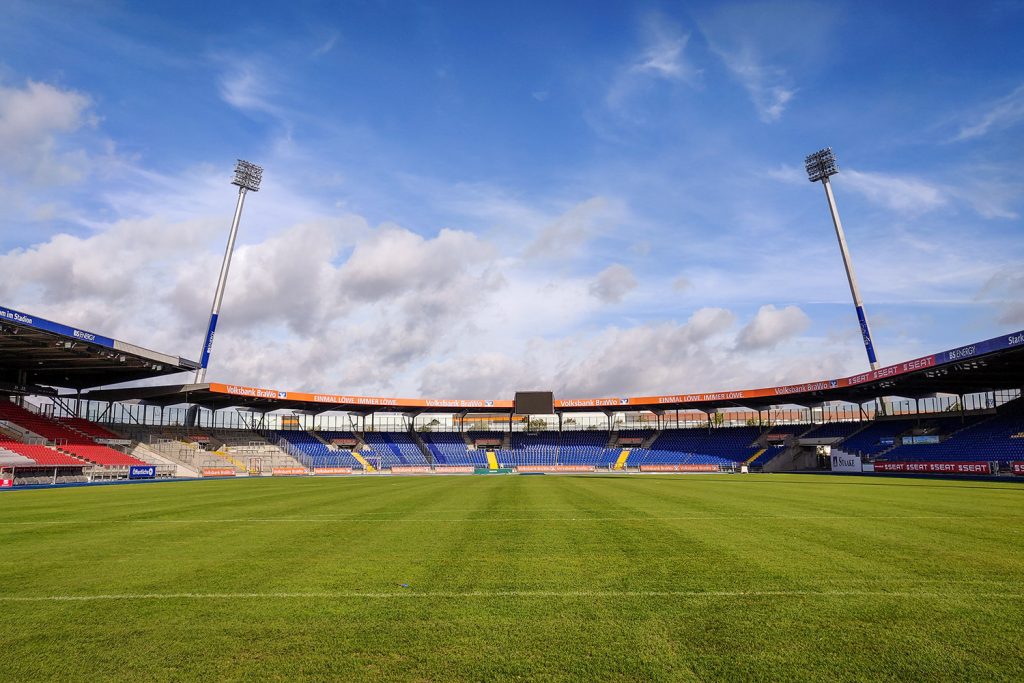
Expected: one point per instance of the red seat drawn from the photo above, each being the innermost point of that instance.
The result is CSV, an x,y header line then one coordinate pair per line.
x,y
42,454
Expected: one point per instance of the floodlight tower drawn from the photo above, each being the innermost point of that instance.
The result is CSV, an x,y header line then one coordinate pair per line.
x,y
247,178
820,166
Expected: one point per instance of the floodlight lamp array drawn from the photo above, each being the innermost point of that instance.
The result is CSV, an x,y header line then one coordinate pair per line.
x,y
248,176
821,164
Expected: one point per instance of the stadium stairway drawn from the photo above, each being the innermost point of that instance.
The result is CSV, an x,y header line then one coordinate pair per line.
x,y
222,453
427,454
492,460
184,455
367,467
620,463
144,452
755,456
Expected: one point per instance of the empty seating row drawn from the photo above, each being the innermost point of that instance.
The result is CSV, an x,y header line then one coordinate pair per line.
x,y
999,438
41,455
394,448
312,452
88,428
450,448
66,438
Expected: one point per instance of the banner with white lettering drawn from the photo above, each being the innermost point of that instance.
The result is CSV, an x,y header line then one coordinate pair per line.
x,y
218,472
935,467
142,472
332,470
679,468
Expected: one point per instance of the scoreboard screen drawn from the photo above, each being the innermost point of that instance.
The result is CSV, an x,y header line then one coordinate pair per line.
x,y
535,403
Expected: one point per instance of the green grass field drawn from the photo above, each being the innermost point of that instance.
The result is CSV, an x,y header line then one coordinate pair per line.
x,y
767,577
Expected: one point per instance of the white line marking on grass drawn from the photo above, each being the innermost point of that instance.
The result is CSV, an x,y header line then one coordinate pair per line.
x,y
447,595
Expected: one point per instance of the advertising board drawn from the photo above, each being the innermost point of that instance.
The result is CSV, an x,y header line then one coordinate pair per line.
x,y
218,472
935,467
288,471
332,470
678,468
50,326
841,462
142,472
1017,468
920,439
555,468
6,483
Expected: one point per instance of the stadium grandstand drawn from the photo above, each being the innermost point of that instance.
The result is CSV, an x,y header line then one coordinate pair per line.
x,y
958,411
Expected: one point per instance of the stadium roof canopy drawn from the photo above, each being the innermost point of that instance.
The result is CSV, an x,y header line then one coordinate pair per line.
x,y
992,365
36,353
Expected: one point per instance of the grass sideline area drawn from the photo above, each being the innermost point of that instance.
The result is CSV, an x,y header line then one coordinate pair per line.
x,y
757,577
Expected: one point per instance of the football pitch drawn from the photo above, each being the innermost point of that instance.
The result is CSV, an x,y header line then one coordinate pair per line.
x,y
764,577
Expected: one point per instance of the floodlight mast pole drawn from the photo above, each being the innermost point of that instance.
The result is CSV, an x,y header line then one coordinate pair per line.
x,y
247,178
820,166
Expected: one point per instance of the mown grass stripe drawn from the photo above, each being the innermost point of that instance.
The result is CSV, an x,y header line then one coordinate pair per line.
x,y
492,520
343,595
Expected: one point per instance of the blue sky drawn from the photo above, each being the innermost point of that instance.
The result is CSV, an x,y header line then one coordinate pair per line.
x,y
461,199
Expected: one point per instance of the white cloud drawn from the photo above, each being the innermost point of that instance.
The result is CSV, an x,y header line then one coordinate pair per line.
x,y
484,375
246,88
788,174
767,44
648,359
772,326
769,86
904,194
570,232
663,58
32,119
327,45
992,192
1004,113
1005,290
616,362
613,283
394,260
682,284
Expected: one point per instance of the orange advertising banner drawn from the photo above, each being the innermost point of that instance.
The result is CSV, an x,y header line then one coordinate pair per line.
x,y
288,471
555,468
455,469
345,401
411,469
332,470
679,468
218,472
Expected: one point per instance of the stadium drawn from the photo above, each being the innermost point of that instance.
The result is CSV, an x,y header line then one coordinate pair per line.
x,y
288,518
